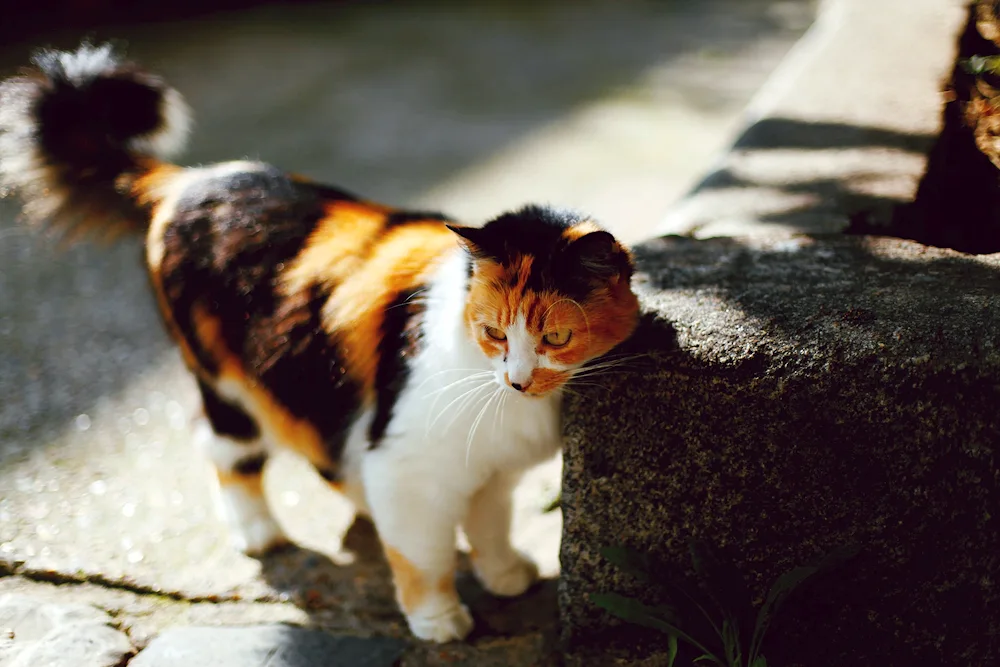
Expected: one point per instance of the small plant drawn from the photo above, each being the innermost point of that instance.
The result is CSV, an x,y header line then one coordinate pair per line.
x,y
979,65
718,615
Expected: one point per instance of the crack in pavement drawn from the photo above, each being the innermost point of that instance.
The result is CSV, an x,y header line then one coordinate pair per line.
x,y
9,569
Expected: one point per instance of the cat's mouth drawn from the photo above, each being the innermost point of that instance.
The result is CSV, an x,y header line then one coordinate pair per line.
x,y
535,390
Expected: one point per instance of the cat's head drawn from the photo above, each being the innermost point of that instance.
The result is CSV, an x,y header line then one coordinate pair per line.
x,y
549,290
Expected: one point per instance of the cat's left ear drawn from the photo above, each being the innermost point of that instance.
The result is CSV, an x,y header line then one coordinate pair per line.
x,y
600,254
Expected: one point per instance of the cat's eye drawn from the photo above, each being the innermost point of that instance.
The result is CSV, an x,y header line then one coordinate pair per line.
x,y
557,338
495,333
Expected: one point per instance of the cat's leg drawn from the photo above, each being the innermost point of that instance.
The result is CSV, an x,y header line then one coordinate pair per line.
x,y
416,517
501,568
237,452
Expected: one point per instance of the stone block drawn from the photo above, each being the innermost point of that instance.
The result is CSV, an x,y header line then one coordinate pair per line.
x,y
795,394
266,646
34,633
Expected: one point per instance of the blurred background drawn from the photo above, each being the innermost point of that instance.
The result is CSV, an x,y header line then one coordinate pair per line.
x,y
615,107
611,106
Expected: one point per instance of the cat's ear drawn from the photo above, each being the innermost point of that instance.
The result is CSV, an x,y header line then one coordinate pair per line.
x,y
471,237
474,239
599,254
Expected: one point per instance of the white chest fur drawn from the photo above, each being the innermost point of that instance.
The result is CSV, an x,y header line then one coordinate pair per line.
x,y
453,410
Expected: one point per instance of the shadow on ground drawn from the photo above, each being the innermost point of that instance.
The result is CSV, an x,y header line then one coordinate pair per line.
x,y
804,162
334,592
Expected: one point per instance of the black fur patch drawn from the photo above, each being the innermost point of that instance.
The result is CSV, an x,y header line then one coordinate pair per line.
x,y
331,193
570,267
231,236
330,476
95,108
402,217
298,363
400,343
227,419
250,465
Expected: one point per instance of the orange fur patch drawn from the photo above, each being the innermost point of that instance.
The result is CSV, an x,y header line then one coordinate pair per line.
x,y
402,259
252,483
278,424
498,296
155,184
580,230
337,247
411,585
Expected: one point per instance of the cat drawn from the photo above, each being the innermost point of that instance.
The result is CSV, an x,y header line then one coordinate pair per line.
x,y
416,362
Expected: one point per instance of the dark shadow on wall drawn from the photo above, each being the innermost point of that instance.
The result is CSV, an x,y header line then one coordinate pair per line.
x,y
785,133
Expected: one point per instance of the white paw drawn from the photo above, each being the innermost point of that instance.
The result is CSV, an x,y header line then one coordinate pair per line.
x,y
452,624
258,536
507,578
252,527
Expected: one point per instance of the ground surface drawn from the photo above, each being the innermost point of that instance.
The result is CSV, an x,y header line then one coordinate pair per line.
x,y
614,107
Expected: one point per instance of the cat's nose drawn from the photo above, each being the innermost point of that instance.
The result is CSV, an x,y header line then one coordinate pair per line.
x,y
521,386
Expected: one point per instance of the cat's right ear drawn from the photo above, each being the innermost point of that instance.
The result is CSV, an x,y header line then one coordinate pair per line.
x,y
470,238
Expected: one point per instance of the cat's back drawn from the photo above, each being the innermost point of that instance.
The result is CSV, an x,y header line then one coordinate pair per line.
x,y
302,292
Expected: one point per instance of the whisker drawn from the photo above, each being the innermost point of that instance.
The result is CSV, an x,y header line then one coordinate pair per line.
x,y
614,360
468,378
592,384
604,368
471,398
600,372
499,414
408,299
475,424
440,414
450,370
605,361
437,393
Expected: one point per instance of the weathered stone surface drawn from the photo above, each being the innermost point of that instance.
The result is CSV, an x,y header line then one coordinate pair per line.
x,y
800,394
35,633
266,646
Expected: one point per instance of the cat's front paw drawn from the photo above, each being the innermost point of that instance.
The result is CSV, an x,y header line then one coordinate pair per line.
x,y
506,578
452,624
258,536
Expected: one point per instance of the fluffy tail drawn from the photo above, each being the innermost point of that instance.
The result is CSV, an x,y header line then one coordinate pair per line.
x,y
78,131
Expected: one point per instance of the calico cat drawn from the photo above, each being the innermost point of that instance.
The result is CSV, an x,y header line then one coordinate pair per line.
x,y
416,362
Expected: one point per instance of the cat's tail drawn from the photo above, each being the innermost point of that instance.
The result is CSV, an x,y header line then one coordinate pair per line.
x,y
82,136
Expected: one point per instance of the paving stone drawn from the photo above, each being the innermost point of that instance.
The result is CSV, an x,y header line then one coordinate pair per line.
x,y
35,633
266,646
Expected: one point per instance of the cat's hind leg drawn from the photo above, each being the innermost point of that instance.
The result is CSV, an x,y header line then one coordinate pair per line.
x,y
502,569
232,441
